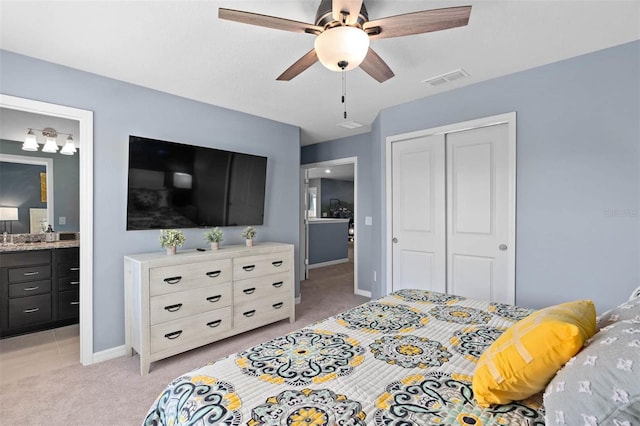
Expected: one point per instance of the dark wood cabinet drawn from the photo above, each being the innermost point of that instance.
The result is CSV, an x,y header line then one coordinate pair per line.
x,y
39,290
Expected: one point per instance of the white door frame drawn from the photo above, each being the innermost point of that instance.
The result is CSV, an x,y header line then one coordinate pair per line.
x,y
329,163
507,118
85,119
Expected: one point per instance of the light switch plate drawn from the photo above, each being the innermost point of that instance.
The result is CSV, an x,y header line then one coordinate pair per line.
x,y
368,220
62,220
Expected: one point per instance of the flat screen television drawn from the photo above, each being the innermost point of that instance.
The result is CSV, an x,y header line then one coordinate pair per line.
x,y
173,185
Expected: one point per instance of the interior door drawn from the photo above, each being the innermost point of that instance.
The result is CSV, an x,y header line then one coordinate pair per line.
x,y
418,215
478,214
305,219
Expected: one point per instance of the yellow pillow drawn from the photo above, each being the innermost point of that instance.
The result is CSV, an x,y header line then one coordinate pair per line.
x,y
524,358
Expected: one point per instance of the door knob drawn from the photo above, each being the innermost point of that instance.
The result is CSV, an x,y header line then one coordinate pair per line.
x,y
395,240
502,247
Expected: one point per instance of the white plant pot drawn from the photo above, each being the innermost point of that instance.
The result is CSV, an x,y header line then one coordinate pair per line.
x,y
215,245
171,250
249,242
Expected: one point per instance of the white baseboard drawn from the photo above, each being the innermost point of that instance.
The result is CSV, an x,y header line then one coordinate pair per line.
x,y
363,293
108,354
329,263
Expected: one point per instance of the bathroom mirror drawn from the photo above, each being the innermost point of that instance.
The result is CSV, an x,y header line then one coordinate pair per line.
x,y
31,180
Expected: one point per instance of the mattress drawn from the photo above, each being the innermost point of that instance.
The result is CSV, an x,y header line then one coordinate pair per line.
x,y
405,359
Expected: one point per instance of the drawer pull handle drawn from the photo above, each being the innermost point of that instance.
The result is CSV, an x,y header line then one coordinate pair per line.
x,y
249,313
278,305
214,299
173,335
31,288
173,308
28,274
74,269
172,280
74,303
214,324
249,267
74,282
30,311
277,263
249,290
278,284
213,274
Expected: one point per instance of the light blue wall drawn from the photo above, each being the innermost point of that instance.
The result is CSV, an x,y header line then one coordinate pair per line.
x,y
328,242
361,147
341,190
578,171
66,185
121,109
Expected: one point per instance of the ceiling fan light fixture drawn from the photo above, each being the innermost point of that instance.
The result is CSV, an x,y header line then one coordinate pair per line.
x,y
342,44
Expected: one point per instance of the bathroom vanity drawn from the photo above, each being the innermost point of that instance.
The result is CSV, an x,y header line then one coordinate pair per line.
x,y
39,286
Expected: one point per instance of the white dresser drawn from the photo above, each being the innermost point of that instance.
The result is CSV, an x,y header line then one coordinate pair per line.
x,y
177,303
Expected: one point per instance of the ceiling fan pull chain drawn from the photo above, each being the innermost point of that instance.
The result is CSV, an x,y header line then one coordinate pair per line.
x,y
344,90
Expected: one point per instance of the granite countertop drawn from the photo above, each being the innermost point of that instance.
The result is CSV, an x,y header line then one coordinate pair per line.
x,y
5,248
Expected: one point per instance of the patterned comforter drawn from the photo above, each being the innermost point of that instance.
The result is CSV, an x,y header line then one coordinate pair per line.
x,y
406,359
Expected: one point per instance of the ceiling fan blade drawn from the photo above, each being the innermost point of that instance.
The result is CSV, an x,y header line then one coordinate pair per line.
x,y
351,6
376,67
418,22
300,65
268,21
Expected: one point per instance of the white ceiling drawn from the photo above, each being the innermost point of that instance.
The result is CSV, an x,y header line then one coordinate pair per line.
x,y
338,172
182,48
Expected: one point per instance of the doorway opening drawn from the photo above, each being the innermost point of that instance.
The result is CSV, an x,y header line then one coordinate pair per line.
x,y
328,212
85,123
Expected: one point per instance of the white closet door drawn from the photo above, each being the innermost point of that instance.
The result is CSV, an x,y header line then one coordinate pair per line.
x,y
478,208
418,222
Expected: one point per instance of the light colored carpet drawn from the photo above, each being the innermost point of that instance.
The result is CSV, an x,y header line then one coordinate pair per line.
x,y
114,393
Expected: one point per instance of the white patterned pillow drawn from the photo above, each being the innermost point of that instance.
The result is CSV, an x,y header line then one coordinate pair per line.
x,y
601,384
625,311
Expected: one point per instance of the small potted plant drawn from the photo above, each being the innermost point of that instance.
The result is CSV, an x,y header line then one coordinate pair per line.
x,y
170,239
214,236
248,233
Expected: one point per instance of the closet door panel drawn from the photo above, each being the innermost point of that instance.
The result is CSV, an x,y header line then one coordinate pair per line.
x,y
418,217
477,213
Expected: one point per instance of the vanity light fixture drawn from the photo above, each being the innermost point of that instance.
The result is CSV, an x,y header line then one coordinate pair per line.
x,y
30,142
51,144
69,147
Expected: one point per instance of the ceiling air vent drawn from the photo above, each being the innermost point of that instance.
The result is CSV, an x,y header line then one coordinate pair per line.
x,y
446,78
351,125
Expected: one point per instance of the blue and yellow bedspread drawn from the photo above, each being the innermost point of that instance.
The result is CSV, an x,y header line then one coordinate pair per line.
x,y
405,359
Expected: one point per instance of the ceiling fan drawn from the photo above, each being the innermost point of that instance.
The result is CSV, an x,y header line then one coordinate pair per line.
x,y
343,31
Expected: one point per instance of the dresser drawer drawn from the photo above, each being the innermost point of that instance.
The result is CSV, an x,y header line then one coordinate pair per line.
x,y
30,273
257,266
172,306
201,327
29,310
69,283
30,288
68,304
260,312
169,279
261,287
69,270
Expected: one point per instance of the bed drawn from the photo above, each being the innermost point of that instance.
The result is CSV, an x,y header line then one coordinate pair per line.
x,y
405,359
